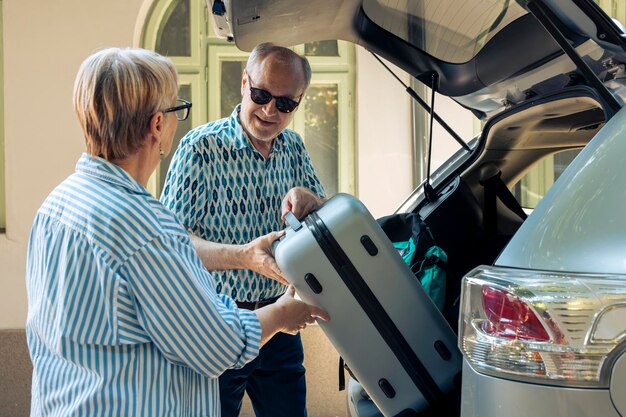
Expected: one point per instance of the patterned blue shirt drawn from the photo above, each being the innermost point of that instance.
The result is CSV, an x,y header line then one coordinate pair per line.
x,y
223,190
123,318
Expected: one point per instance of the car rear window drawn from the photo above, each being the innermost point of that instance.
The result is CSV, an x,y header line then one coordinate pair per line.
x,y
449,30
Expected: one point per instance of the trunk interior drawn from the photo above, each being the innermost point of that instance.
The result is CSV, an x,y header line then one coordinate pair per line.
x,y
473,230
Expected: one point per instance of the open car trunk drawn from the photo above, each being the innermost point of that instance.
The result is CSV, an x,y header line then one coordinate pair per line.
x,y
512,142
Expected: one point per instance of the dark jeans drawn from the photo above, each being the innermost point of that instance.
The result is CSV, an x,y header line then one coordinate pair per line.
x,y
274,381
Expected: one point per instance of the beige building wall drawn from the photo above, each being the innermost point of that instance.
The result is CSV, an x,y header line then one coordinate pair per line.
x,y
384,130
44,43
384,144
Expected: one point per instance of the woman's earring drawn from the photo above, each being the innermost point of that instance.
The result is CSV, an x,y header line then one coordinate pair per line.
x,y
161,153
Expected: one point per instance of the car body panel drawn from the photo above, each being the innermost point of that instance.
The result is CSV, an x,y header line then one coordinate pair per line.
x,y
487,396
618,384
591,237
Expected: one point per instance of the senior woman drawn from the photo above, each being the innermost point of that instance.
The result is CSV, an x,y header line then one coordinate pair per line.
x,y
123,317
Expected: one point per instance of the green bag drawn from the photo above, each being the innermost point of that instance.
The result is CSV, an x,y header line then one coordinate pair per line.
x,y
415,243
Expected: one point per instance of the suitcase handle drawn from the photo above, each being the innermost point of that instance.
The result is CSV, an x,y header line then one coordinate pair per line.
x,y
292,221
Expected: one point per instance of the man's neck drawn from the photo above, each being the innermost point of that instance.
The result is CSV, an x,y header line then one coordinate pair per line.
x,y
263,146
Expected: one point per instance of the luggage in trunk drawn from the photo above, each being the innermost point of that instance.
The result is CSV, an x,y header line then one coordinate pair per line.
x,y
383,324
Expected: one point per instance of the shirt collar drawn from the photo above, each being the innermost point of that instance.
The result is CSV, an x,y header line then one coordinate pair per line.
x,y
241,139
107,171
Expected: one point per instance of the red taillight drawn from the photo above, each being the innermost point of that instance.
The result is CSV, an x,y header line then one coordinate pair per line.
x,y
510,317
558,328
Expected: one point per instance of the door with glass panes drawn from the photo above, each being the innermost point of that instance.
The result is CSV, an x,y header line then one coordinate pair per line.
x,y
210,71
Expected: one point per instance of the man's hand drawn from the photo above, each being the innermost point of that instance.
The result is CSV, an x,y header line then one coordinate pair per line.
x,y
300,201
259,258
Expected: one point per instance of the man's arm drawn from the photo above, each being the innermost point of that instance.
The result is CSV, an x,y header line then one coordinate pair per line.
x,y
255,256
188,182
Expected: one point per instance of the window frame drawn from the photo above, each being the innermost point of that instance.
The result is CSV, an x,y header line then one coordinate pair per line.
x,y
337,70
346,148
217,54
159,13
191,69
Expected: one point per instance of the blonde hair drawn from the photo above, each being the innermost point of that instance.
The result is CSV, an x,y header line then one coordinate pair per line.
x,y
116,93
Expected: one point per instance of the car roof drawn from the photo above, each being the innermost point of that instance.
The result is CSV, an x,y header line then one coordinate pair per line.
x,y
472,45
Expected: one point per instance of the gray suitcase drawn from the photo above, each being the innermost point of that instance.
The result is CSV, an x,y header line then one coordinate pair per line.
x,y
383,324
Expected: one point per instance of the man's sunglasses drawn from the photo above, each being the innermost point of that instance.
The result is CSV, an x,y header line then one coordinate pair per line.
x,y
283,104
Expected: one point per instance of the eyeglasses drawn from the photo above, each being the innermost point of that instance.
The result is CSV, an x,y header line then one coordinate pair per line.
x,y
283,104
182,111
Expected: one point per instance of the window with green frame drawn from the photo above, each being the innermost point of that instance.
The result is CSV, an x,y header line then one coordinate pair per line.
x,y
3,223
210,71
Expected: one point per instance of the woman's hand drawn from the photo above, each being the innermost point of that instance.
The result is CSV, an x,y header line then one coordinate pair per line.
x,y
287,315
297,314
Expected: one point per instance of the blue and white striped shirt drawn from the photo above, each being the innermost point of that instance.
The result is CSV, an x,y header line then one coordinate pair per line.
x,y
223,190
123,318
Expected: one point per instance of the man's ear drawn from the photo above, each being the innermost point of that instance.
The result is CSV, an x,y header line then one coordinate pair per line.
x,y
244,82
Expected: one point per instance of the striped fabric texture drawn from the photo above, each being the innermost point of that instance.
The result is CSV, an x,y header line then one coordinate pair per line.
x,y
223,190
123,318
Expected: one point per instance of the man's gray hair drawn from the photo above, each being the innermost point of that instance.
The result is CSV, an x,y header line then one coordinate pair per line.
x,y
286,55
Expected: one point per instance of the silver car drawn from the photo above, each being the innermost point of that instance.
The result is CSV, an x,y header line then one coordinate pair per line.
x,y
537,293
